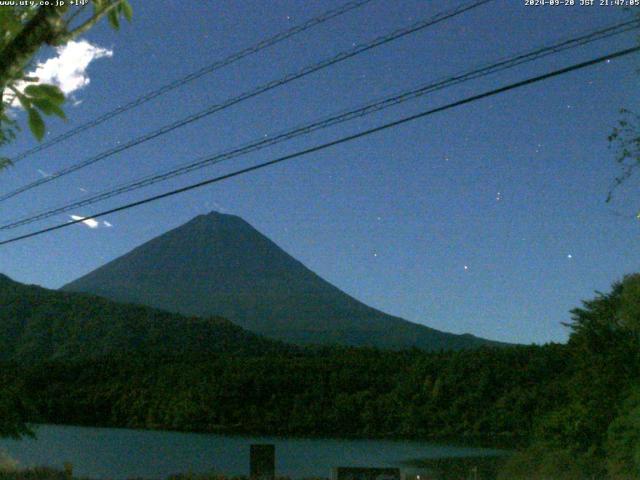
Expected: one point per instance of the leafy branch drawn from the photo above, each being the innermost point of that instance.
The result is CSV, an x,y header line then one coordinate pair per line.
x,y
625,141
25,29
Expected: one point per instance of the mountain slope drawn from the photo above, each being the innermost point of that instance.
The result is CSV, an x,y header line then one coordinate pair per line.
x,y
41,324
220,265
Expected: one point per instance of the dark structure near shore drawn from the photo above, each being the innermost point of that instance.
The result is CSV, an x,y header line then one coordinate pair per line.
x,y
262,462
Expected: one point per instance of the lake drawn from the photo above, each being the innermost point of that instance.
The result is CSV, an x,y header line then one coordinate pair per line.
x,y
124,453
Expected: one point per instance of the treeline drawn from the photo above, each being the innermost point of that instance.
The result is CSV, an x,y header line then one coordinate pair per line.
x,y
573,410
346,392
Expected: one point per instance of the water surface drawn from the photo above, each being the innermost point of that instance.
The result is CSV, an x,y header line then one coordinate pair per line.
x,y
124,453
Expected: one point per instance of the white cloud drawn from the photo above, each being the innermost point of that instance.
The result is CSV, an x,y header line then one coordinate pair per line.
x,y
68,69
89,222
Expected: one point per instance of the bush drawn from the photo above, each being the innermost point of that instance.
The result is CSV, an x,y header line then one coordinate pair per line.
x,y
542,462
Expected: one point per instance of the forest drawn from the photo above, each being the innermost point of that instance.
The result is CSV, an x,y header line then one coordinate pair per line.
x,y
572,410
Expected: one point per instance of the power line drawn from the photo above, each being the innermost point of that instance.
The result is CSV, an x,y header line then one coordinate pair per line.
x,y
218,64
506,63
386,126
382,40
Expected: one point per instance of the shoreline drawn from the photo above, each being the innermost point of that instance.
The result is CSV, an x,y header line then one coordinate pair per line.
x,y
497,442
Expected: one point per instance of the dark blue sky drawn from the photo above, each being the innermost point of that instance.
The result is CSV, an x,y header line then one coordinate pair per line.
x,y
511,187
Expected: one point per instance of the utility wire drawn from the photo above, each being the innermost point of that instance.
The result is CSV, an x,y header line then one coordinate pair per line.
x,y
380,104
386,126
218,64
382,40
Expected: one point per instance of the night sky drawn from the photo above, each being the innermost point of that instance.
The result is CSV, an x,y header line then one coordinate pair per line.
x,y
489,218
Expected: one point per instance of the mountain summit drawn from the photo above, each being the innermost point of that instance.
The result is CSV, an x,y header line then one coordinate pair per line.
x,y
218,264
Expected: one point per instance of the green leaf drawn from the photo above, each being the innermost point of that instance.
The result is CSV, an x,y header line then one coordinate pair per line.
x,y
50,92
113,19
98,5
36,124
24,101
48,107
34,91
127,11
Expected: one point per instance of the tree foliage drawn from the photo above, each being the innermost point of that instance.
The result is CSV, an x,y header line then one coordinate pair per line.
x,y
623,439
598,425
329,392
625,142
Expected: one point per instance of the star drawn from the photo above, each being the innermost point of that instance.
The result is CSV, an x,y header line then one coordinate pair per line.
x,y
466,267
569,256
